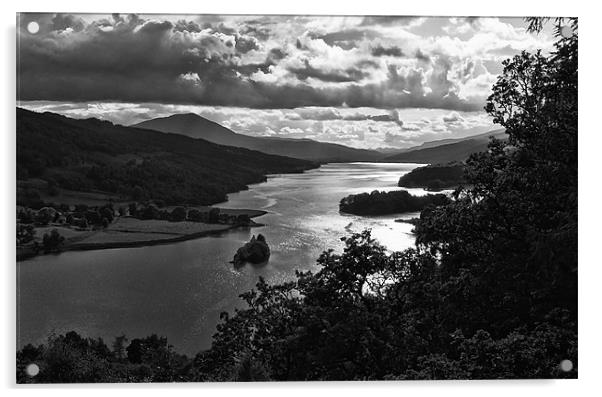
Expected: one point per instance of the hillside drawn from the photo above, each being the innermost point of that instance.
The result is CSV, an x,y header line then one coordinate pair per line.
x,y
134,163
447,150
195,126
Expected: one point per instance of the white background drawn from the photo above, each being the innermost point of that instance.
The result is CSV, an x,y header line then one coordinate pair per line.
x,y
590,194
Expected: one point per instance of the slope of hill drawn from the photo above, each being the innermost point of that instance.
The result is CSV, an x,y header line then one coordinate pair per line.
x,y
90,154
447,150
195,126
484,137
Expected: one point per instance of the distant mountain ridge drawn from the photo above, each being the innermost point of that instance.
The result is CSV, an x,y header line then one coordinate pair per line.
x,y
446,150
195,126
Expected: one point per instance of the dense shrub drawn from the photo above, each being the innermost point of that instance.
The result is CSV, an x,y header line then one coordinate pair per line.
x,y
52,241
175,169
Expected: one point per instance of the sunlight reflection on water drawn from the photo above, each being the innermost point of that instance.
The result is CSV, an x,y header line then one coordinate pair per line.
x,y
178,290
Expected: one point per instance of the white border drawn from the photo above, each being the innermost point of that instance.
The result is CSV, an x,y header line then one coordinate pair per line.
x,y
589,217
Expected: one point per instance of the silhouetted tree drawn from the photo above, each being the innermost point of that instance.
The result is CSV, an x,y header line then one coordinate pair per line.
x,y
52,241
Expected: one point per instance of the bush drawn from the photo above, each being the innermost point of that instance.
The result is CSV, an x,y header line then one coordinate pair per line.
x,y
25,233
178,214
214,214
52,241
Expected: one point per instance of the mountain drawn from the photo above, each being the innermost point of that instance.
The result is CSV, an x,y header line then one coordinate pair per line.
x,y
195,126
446,150
135,163
484,137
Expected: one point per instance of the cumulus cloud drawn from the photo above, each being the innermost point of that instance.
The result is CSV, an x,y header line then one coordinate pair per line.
x,y
262,62
392,51
333,76
453,117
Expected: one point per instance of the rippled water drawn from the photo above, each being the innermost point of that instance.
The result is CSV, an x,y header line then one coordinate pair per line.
x,y
178,290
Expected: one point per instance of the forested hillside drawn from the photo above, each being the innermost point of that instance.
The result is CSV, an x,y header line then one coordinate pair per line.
x,y
434,177
137,163
445,151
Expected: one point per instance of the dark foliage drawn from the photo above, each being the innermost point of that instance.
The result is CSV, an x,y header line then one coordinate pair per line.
x,y
255,251
178,214
71,358
434,177
136,163
25,233
382,203
52,241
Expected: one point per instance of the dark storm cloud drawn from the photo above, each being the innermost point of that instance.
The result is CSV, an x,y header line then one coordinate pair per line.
x,y
246,44
399,90
257,28
276,54
367,63
346,39
387,20
344,35
329,114
337,76
65,21
260,33
187,26
422,56
134,59
393,51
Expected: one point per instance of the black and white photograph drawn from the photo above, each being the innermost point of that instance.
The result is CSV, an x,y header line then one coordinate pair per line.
x,y
268,198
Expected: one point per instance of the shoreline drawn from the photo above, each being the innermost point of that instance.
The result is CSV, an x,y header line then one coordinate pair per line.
x,y
146,243
76,245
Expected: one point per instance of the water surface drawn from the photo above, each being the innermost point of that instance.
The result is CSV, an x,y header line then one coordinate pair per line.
x,y
178,290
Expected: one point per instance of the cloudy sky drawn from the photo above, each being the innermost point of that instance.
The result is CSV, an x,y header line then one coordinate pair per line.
x,y
369,82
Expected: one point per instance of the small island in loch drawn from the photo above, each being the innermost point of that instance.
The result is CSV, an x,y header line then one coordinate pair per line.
x,y
382,203
256,251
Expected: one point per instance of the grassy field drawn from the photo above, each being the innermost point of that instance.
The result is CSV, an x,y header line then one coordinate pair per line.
x,y
130,232
112,237
133,225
